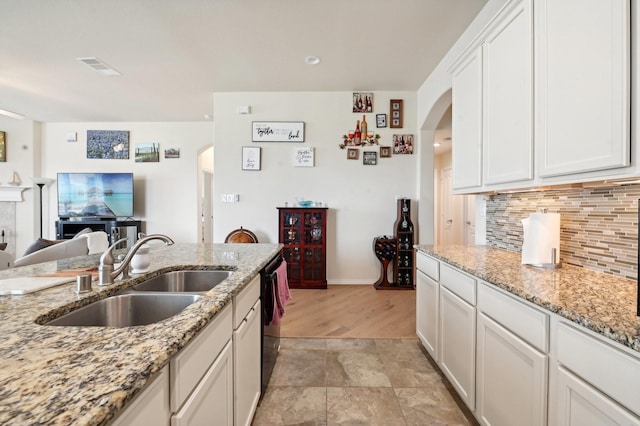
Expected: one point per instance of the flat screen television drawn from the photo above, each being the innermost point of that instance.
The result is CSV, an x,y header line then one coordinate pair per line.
x,y
95,195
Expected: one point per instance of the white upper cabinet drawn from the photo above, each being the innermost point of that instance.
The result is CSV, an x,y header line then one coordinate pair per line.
x,y
507,96
582,85
467,121
543,96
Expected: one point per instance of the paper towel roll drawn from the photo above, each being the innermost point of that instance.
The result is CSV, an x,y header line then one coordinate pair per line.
x,y
541,234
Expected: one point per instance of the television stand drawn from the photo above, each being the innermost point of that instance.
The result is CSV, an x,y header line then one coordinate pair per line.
x,y
115,229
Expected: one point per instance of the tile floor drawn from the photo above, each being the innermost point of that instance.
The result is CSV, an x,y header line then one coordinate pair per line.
x,y
357,382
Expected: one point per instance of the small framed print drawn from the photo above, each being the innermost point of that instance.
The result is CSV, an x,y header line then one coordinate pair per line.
x,y
369,158
395,106
250,158
303,157
362,102
353,153
381,120
403,144
385,151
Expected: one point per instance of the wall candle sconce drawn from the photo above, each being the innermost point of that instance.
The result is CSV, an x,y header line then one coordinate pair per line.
x,y
41,182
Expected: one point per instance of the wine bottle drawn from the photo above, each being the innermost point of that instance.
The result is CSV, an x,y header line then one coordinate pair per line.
x,y
357,135
363,128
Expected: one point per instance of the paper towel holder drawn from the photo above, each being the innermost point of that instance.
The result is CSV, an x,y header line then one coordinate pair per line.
x,y
554,264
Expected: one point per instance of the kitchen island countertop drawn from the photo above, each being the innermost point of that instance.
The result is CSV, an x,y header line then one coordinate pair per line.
x,y
601,302
85,375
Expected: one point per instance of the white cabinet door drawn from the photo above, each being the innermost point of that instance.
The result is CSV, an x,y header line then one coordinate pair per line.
x,y
247,366
212,400
511,378
467,121
582,85
458,344
427,312
507,96
579,404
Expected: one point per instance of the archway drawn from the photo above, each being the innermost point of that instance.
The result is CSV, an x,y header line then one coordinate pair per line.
x,y
426,213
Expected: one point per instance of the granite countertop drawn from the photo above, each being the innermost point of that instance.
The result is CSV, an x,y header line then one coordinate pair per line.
x,y
85,375
600,302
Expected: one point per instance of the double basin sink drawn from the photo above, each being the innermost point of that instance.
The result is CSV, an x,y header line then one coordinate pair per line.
x,y
148,302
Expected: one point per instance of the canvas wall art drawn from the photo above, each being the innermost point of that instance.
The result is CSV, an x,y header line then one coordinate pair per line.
x,y
108,144
147,152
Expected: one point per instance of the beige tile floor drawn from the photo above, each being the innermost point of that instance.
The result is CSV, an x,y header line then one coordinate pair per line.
x,y
357,382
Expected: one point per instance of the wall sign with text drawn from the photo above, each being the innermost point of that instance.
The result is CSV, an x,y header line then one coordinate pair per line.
x,y
277,131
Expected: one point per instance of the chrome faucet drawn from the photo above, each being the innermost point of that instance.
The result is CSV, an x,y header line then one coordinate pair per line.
x,y
106,271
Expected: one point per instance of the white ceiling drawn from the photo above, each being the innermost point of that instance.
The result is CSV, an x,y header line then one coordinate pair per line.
x,y
173,54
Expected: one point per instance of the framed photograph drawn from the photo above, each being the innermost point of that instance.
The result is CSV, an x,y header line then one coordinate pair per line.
x,y
381,120
353,153
251,158
385,151
395,108
172,153
277,131
369,158
147,152
403,144
108,144
3,147
362,102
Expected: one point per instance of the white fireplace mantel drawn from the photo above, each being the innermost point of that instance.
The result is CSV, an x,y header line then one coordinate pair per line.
x,y
12,192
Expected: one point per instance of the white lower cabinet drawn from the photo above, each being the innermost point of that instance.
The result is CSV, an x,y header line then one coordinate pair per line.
x,y
580,404
246,353
457,344
595,379
427,312
511,378
151,406
246,368
515,363
211,401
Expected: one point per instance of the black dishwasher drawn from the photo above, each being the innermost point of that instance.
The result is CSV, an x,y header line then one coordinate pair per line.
x,y
270,332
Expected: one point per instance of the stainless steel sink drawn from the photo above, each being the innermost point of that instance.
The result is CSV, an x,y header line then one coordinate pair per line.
x,y
184,281
126,310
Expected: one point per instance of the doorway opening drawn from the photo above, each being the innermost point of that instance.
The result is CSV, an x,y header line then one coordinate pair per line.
x,y
205,194
454,214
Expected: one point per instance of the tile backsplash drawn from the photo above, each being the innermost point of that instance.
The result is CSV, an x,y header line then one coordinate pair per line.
x,y
598,226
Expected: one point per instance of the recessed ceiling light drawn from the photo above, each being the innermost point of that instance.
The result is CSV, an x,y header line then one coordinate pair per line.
x,y
312,60
436,144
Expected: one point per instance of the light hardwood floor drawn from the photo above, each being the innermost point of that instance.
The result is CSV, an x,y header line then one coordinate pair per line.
x,y
350,311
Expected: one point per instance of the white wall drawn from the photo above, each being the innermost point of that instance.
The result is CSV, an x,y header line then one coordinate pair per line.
x,y
361,198
166,193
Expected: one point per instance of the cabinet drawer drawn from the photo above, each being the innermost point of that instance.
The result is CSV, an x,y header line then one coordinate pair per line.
x,y
243,302
462,285
428,265
524,321
606,367
187,368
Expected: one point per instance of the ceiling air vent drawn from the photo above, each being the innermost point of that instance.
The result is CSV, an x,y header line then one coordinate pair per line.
x,y
97,65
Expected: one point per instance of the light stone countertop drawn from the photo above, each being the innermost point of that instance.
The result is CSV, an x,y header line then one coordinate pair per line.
x,y
600,302
85,375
